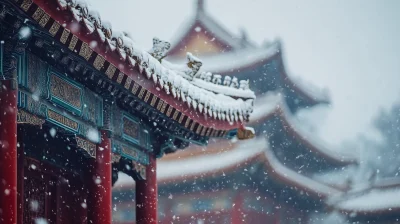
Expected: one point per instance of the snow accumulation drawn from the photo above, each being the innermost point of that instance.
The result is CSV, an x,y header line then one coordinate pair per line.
x,y
175,82
321,145
218,31
242,58
274,102
210,163
374,200
234,60
265,105
202,164
338,178
299,179
316,93
226,90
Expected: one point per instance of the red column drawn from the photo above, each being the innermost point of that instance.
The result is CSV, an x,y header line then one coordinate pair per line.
x,y
146,195
8,152
20,175
99,186
237,213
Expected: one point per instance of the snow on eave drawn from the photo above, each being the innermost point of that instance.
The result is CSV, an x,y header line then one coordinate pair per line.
x,y
221,33
200,165
226,90
176,170
265,106
274,103
317,144
173,170
373,201
229,62
320,95
218,106
210,24
298,179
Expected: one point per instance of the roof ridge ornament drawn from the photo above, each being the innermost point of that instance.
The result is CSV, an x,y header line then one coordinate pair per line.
x,y
159,49
244,133
194,64
199,7
203,91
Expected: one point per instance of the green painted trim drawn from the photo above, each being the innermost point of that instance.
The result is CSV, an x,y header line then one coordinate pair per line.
x,y
60,124
143,157
190,141
61,102
134,120
101,111
22,97
22,70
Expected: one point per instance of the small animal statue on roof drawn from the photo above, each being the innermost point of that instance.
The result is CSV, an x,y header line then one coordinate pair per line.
x,y
194,64
160,48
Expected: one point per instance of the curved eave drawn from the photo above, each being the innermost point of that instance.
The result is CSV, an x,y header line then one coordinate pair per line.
x,y
332,157
279,172
131,72
290,84
292,178
222,37
353,213
280,112
383,207
190,33
382,185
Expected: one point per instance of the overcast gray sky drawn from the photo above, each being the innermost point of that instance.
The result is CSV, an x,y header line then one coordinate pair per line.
x,y
349,46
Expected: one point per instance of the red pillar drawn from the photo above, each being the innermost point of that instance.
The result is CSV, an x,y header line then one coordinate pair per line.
x,y
99,186
8,152
20,175
146,195
237,213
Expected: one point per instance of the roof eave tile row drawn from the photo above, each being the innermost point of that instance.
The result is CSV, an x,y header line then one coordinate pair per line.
x,y
217,106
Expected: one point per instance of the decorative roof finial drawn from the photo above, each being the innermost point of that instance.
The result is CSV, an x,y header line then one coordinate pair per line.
x,y
200,6
159,49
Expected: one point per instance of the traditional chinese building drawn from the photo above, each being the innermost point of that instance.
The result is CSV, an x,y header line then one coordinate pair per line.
x,y
279,177
375,202
81,102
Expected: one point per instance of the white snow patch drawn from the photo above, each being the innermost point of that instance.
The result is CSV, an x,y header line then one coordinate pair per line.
x,y
372,201
25,32
41,221
93,135
301,180
53,132
168,79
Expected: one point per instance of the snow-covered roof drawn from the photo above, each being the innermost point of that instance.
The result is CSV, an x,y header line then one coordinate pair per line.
x,y
339,178
205,164
219,105
228,62
316,143
205,20
273,103
375,200
299,180
317,94
265,106
201,165
248,58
